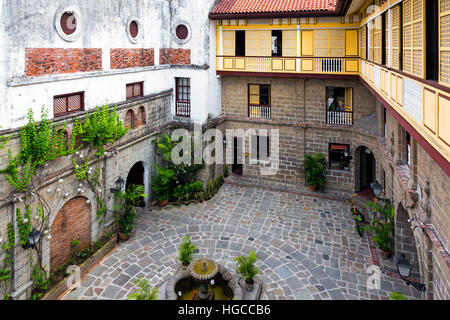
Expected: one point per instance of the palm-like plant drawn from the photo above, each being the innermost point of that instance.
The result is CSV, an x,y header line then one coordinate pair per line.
x,y
382,229
314,167
144,291
187,249
246,266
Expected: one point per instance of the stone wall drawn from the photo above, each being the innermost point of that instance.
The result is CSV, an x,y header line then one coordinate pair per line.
x,y
67,203
299,112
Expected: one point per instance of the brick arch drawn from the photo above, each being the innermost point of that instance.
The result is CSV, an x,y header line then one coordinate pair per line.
x,y
73,221
130,121
142,117
359,173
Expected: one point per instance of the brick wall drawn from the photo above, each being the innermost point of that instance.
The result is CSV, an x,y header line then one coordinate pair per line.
x,y
71,223
45,61
175,56
132,58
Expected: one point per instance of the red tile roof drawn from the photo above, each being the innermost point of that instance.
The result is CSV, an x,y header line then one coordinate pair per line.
x,y
273,6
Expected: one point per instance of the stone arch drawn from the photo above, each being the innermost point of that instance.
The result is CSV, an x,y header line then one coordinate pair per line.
x,y
138,175
72,222
142,117
365,168
404,239
130,120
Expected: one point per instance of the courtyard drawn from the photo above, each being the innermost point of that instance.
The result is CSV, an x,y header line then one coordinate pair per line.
x,y
307,246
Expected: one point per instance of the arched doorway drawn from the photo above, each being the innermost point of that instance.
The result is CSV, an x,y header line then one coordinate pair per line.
x,y
404,239
237,167
137,177
365,168
72,222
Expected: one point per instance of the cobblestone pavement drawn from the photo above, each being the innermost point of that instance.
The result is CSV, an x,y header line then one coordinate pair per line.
x,y
308,247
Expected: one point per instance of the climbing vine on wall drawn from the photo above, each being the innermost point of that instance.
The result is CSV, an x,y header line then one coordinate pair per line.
x,y
5,271
40,143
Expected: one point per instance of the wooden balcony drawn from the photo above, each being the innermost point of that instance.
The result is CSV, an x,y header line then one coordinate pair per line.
x,y
259,112
317,65
340,118
183,109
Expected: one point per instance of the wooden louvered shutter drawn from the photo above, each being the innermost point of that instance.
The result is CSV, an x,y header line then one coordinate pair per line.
x,y
229,43
265,43
444,42
364,42
377,40
348,99
396,12
413,33
290,43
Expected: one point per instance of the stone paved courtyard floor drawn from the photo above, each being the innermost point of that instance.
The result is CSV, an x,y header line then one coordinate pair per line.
x,y
308,247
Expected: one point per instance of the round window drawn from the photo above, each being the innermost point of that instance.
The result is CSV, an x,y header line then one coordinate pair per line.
x,y
182,32
68,23
134,29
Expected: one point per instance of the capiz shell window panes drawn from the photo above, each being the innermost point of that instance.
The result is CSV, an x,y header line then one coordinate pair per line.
x,y
65,104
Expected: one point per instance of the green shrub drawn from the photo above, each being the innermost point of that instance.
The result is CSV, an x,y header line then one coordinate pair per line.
x,y
186,254
383,230
125,209
314,166
144,291
246,266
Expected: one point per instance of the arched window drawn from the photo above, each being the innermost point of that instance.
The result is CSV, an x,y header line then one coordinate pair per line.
x,y
129,119
142,118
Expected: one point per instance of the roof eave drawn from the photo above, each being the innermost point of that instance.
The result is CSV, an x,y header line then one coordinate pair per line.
x,y
296,14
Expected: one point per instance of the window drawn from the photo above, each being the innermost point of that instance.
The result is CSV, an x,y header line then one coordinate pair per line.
x,y
68,23
182,32
68,103
340,106
129,119
384,55
432,40
259,101
408,149
183,97
277,43
339,155
240,43
134,29
397,31
142,119
135,90
260,148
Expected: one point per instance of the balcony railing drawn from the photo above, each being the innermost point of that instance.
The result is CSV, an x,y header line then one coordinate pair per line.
x,y
289,64
340,118
330,65
183,109
259,112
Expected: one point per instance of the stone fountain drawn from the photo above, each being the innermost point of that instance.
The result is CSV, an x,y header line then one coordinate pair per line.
x,y
204,270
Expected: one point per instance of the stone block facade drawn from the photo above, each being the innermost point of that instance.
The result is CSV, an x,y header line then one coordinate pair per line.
x,y
132,58
298,111
47,61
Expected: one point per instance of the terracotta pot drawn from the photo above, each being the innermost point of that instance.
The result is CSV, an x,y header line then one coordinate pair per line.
x,y
185,266
249,285
164,203
385,254
313,188
123,237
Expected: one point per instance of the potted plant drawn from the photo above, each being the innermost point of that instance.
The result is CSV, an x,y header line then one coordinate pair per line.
x,y
163,185
144,292
186,254
247,269
397,296
314,166
382,228
125,210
